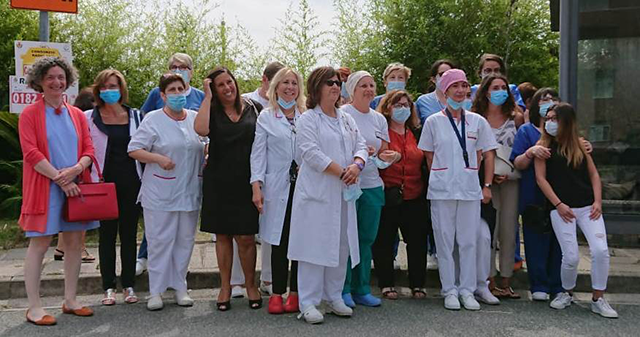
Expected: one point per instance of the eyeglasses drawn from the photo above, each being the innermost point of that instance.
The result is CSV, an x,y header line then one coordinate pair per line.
x,y
175,67
401,105
333,82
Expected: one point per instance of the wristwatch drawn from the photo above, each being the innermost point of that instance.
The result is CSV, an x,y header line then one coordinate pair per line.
x,y
487,185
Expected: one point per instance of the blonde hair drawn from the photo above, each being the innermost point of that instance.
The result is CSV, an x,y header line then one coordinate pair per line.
x,y
181,58
568,138
102,78
273,86
396,66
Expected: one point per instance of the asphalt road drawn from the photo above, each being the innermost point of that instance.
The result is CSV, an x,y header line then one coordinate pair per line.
x,y
404,317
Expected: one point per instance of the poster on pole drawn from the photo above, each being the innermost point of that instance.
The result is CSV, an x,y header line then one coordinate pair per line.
x,y
20,95
27,52
65,6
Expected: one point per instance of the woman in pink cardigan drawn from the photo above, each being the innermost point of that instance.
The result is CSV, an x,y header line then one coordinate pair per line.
x,y
56,149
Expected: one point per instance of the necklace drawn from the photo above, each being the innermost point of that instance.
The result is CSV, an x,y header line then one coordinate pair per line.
x,y
175,118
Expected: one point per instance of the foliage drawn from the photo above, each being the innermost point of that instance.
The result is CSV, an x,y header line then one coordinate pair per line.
x,y
10,166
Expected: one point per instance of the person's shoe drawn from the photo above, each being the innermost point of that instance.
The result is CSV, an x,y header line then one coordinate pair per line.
x,y
432,262
83,311
183,299
130,296
155,303
109,297
486,297
602,308
540,296
266,289
141,266
311,315
237,292
561,301
451,302
291,305
348,300
45,320
275,305
469,302
367,300
339,308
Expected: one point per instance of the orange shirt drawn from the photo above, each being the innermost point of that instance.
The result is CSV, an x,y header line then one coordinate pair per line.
x,y
408,171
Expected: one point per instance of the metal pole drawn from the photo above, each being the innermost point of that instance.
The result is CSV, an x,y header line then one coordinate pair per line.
x,y
569,51
44,26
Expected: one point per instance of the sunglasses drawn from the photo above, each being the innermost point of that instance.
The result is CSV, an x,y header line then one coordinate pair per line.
x,y
333,82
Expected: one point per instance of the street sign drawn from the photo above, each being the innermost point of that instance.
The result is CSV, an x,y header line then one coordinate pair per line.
x,y
27,52
66,6
20,95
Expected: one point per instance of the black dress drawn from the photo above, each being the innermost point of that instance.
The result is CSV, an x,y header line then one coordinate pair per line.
x,y
226,205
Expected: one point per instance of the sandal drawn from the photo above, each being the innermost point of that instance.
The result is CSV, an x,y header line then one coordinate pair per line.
x,y
505,293
109,297
257,303
58,255
129,296
389,293
223,306
419,293
86,257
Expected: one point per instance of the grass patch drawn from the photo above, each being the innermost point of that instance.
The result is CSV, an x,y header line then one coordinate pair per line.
x,y
11,236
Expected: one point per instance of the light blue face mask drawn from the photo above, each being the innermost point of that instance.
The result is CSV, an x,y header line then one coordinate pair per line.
x,y
381,164
286,105
453,104
466,104
395,85
400,115
351,193
544,108
343,91
110,96
551,127
176,101
498,97
184,74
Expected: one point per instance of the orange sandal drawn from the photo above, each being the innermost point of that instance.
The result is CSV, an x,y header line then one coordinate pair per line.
x,y
44,321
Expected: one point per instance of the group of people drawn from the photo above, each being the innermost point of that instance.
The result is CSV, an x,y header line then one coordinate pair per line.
x,y
326,176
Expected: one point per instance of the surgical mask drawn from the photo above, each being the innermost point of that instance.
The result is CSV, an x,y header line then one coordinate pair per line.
x,y
110,96
351,193
176,101
381,164
453,104
438,80
343,91
544,108
466,104
400,115
498,97
395,85
184,74
286,105
551,127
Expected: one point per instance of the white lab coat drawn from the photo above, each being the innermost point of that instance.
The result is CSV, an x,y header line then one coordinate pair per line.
x,y
272,151
317,201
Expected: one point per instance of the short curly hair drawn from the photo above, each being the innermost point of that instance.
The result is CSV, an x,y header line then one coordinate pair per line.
x,y
41,67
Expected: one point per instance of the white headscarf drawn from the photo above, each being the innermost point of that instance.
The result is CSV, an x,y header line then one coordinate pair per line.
x,y
353,80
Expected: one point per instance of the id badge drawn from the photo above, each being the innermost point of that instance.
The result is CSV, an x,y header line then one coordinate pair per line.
x,y
472,135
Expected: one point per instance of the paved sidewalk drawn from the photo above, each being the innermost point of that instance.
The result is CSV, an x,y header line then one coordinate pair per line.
x,y
624,276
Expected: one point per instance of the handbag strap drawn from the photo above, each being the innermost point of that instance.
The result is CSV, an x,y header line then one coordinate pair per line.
x,y
96,166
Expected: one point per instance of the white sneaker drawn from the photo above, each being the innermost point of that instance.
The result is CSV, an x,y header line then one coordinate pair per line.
x,y
602,308
338,308
486,297
561,301
469,302
451,302
183,299
266,289
432,262
540,296
237,292
155,302
141,266
311,315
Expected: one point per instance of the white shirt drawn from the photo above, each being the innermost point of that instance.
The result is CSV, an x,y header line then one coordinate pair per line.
x,y
255,95
179,189
449,178
373,127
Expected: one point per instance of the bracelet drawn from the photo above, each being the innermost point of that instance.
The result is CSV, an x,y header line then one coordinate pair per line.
x,y
558,204
359,165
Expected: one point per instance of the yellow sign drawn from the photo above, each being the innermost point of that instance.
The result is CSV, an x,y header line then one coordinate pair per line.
x,y
66,6
28,52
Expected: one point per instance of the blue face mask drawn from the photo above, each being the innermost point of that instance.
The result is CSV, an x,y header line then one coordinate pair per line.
x,y
551,127
343,91
110,96
466,104
395,85
351,193
544,108
286,105
498,97
184,74
453,104
381,164
400,115
176,101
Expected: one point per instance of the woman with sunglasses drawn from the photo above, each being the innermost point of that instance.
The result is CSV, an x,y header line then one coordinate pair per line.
x,y
324,230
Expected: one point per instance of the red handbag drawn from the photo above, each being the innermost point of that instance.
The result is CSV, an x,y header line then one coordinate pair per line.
x,y
97,201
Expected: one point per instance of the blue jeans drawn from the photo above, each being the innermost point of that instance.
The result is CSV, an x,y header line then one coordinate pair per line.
x,y
544,259
142,251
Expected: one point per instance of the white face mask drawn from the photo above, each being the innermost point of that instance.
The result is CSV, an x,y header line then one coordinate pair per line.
x,y
551,127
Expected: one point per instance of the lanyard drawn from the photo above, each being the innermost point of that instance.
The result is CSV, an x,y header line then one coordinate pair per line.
x,y
461,140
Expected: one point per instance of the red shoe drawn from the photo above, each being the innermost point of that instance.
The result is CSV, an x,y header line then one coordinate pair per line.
x,y
292,304
275,305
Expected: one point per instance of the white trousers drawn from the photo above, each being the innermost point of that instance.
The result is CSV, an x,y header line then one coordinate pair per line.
x,y
237,275
456,222
596,236
316,282
483,256
170,236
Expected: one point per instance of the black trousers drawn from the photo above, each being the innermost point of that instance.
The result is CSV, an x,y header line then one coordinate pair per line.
x,y
414,220
127,226
279,261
